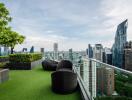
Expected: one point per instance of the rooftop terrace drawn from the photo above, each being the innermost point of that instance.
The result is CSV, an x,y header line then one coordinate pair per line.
x,y
32,85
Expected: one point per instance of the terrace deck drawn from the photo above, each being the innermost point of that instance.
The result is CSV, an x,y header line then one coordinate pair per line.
x,y
31,85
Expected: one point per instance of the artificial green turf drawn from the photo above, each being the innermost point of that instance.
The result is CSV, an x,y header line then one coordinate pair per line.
x,y
31,85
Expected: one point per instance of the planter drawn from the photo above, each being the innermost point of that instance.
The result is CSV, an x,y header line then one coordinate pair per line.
x,y
4,75
4,59
23,66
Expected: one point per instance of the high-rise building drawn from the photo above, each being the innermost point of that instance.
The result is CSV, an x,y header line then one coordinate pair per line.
x,y
120,40
56,47
107,56
32,49
98,52
24,50
88,73
90,51
128,56
0,51
61,55
70,55
55,51
42,51
105,81
4,50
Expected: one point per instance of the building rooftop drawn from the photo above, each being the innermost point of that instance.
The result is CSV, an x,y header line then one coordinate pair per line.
x,y
32,85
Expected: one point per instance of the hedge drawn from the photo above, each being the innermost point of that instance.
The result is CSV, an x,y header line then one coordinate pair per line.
x,y
2,64
4,58
24,57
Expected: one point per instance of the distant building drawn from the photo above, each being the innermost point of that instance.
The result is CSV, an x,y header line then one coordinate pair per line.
x,y
56,47
107,56
88,73
61,56
98,52
42,51
55,51
4,51
24,50
90,51
32,49
118,46
128,56
0,51
70,55
105,81
66,55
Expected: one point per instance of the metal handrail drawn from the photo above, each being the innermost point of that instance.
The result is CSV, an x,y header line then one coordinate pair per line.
x,y
107,65
111,66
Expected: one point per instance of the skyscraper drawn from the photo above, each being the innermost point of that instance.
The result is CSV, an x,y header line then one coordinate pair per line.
x,y
70,55
128,56
105,80
24,50
107,56
98,52
120,40
55,51
6,50
90,51
88,74
0,50
55,47
42,51
32,49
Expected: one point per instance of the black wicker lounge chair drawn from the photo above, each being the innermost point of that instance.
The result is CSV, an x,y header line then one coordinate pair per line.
x,y
49,65
64,81
64,64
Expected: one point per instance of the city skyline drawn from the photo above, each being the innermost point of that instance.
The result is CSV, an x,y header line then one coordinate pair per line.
x,y
71,24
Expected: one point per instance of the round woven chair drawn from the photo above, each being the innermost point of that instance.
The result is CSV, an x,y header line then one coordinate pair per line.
x,y
49,65
64,64
64,81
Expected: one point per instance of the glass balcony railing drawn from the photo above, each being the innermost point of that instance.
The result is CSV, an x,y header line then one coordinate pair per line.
x,y
103,80
100,80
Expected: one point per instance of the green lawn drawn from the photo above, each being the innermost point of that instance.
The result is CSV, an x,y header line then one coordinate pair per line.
x,y
31,85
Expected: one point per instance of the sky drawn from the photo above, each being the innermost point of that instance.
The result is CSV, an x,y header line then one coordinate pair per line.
x,y
70,23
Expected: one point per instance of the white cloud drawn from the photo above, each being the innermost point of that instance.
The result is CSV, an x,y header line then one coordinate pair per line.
x,y
41,42
72,24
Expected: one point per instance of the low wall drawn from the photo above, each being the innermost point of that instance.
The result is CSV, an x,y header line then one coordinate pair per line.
x,y
4,75
23,66
4,59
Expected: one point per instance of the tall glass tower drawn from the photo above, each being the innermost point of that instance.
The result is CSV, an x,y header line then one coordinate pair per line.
x,y
55,51
120,40
90,51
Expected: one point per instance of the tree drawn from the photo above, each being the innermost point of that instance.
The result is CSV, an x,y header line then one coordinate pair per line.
x,y
4,17
10,38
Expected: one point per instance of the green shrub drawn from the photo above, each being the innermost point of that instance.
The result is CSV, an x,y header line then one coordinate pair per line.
x,y
24,57
4,57
2,64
